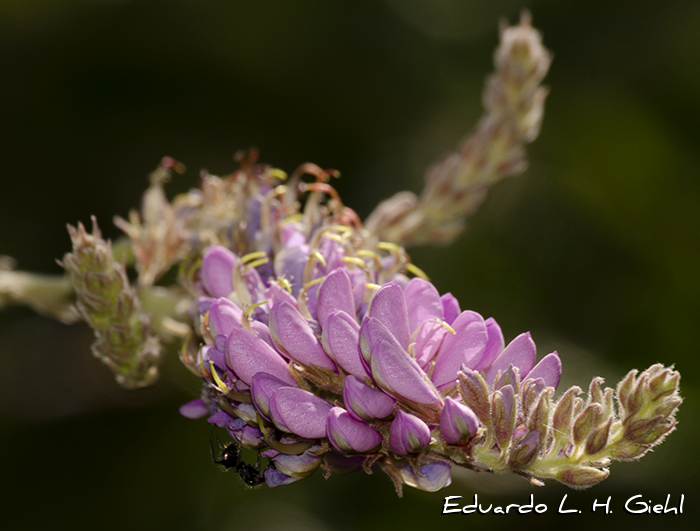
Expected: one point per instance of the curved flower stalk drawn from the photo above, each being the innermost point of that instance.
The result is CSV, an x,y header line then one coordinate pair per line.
x,y
457,184
319,345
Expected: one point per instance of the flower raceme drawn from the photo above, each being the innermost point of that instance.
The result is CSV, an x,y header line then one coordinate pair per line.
x,y
341,372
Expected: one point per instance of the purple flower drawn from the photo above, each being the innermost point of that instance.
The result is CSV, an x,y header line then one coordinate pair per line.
x,y
262,387
301,412
335,294
349,435
341,340
408,434
458,423
365,403
247,355
393,369
389,308
465,347
293,335
431,477
299,466
549,369
520,353
422,302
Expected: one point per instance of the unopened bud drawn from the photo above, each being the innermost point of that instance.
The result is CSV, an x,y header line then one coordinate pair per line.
x,y
582,476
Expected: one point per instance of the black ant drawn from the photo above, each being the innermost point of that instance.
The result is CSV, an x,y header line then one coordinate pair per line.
x,y
230,459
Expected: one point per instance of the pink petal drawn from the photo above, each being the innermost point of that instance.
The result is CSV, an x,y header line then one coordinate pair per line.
x,y
216,272
423,303
293,335
521,353
247,355
335,294
549,369
389,307
341,340
300,412
465,347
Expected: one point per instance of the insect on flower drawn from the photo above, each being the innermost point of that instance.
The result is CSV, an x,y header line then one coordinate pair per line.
x,y
230,459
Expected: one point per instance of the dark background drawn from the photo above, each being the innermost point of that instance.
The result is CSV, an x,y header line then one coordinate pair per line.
x,y
595,249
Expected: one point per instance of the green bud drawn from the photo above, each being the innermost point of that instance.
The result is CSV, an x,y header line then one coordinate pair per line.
x,y
586,422
475,393
598,439
582,476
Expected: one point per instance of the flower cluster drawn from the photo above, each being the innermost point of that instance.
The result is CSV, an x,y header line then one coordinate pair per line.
x,y
321,352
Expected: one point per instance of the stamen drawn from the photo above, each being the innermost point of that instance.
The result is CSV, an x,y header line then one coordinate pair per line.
x,y
200,361
388,246
255,263
452,330
372,286
246,313
354,260
417,271
314,281
219,382
334,237
252,256
276,173
284,283
319,257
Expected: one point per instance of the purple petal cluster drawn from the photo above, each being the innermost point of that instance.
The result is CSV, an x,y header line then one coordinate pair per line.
x,y
329,358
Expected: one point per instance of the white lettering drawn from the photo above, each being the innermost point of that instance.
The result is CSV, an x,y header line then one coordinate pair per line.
x,y
446,510
565,511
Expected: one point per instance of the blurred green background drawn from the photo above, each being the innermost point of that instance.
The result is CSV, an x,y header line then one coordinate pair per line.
x,y
595,249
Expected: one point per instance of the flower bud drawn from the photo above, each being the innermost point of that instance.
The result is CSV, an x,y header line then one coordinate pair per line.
x,y
582,476
524,450
458,423
503,414
586,422
364,403
549,369
275,478
475,393
408,434
224,317
598,438
349,435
